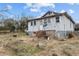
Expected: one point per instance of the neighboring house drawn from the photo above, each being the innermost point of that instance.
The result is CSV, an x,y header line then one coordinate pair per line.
x,y
77,27
61,23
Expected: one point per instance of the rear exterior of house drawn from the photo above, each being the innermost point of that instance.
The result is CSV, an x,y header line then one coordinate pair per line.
x,y
60,23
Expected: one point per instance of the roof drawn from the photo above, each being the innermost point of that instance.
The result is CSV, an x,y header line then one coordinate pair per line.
x,y
49,12
55,14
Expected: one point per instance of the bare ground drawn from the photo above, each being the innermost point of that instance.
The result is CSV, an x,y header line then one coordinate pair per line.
x,y
24,45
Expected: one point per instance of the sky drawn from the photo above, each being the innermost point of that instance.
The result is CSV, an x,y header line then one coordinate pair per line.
x,y
16,10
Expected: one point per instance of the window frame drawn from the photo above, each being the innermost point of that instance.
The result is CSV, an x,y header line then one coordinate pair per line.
x,y
57,19
45,23
31,23
49,20
34,22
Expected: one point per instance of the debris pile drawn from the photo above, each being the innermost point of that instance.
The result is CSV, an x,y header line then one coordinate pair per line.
x,y
41,34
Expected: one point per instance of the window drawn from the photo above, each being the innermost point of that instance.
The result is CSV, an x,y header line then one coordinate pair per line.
x,y
34,22
49,21
70,25
45,24
57,19
40,21
31,23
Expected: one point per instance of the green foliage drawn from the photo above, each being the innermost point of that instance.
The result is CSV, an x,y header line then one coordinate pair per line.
x,y
12,29
23,24
26,50
3,28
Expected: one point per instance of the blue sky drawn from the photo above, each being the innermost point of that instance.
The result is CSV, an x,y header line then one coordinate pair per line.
x,y
16,10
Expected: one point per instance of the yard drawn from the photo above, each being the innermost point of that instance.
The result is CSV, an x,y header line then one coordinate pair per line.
x,y
20,44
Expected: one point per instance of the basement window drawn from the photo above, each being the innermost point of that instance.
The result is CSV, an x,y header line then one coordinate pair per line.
x,y
57,19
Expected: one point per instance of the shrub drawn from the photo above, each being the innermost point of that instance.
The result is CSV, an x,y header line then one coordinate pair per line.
x,y
70,35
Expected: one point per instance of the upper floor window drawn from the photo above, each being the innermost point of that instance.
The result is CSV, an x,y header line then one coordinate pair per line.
x,y
45,23
57,19
40,21
49,20
31,23
70,24
34,22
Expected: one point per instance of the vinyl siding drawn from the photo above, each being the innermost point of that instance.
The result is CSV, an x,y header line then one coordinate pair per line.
x,y
64,24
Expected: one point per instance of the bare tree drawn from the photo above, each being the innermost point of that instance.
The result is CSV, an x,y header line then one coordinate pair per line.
x,y
23,23
10,24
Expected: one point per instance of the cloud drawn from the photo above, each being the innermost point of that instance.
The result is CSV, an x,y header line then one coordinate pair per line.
x,y
41,14
62,11
71,3
47,5
7,7
37,6
40,5
28,5
71,11
25,7
11,16
34,10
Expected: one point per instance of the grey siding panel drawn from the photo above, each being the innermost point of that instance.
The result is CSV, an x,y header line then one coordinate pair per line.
x,y
62,34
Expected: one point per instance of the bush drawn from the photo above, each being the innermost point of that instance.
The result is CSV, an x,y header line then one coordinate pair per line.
x,y
70,35
27,33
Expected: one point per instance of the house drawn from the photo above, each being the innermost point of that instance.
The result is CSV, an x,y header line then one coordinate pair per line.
x,y
77,27
60,23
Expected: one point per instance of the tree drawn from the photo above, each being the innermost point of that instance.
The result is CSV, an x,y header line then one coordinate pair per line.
x,y
12,29
23,23
10,24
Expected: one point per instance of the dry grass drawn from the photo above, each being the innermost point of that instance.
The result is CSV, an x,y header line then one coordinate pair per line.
x,y
24,45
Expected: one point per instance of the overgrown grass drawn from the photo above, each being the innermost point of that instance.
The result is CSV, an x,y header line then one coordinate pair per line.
x,y
20,34
27,50
22,49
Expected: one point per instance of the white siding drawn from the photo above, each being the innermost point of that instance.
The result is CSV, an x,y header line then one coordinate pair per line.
x,y
51,25
64,24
